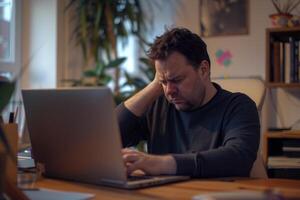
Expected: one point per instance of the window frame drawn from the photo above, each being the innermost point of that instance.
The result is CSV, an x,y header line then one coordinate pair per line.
x,y
13,64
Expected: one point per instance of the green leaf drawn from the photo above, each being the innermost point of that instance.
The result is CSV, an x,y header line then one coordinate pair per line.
x,y
139,82
149,73
90,73
104,80
6,91
98,15
147,62
99,69
115,63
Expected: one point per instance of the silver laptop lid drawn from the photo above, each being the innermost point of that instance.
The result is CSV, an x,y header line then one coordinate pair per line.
x,y
74,133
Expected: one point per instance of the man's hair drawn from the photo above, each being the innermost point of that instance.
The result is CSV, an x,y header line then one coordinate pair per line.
x,y
179,40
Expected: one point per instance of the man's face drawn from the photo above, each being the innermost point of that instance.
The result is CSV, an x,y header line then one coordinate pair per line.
x,y
183,85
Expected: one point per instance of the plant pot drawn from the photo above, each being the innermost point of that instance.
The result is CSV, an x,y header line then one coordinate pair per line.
x,y
280,20
295,21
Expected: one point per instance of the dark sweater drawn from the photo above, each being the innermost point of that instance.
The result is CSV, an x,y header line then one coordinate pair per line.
x,y
218,139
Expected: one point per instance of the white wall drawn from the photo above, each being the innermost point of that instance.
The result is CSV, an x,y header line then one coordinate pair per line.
x,y
39,27
248,50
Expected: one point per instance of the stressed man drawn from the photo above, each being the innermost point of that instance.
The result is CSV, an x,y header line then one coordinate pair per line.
x,y
192,126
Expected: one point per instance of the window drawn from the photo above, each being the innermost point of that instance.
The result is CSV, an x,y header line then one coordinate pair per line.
x,y
10,48
9,37
6,32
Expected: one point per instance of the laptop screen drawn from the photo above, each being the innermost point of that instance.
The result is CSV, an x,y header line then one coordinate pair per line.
x,y
74,133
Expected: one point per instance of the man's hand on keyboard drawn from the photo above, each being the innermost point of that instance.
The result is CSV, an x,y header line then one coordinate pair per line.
x,y
148,163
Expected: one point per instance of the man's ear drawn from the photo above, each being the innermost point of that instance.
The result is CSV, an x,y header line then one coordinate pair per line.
x,y
204,69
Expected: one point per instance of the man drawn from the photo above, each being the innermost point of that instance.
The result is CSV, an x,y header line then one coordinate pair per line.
x,y
192,126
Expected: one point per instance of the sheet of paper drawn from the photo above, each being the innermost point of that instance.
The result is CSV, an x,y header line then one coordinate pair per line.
x,y
47,194
239,194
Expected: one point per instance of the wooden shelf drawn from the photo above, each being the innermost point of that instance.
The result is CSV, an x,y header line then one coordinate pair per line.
x,y
283,34
283,85
284,29
283,134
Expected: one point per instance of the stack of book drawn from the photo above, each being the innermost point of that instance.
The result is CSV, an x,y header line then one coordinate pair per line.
x,y
285,61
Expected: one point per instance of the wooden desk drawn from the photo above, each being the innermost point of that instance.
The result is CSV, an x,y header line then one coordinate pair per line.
x,y
183,190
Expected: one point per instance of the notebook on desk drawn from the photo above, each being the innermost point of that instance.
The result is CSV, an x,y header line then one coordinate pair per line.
x,y
75,135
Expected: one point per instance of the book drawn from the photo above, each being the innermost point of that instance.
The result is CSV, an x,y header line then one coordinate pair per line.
x,y
291,152
287,63
296,61
291,143
284,173
282,62
276,62
283,162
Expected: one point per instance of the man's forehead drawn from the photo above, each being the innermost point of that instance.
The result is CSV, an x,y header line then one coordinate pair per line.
x,y
168,74
170,71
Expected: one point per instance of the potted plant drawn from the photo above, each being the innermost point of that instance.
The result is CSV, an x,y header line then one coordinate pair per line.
x,y
100,26
284,12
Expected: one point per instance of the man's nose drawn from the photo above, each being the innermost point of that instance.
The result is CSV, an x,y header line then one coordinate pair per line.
x,y
171,88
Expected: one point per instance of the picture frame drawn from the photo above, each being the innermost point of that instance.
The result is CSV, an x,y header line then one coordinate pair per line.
x,y
224,17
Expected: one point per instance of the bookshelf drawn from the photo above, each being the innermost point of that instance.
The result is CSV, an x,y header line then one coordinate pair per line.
x,y
282,63
281,150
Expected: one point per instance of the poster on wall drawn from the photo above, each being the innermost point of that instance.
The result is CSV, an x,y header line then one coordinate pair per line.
x,y
224,17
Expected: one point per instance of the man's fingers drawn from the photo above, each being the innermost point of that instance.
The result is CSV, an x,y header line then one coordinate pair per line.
x,y
133,161
130,168
131,157
133,166
128,150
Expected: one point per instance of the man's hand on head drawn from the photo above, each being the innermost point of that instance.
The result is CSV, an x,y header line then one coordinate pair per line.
x,y
156,83
149,164
140,102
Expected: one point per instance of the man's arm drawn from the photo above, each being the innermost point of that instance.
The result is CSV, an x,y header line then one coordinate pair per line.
x,y
131,111
141,101
135,107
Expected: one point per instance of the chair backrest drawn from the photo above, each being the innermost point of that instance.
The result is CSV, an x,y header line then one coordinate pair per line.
x,y
253,87
256,90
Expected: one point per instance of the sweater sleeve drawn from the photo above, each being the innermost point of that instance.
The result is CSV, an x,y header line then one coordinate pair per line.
x,y
235,156
131,127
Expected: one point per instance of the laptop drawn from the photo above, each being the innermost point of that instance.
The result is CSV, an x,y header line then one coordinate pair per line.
x,y
75,136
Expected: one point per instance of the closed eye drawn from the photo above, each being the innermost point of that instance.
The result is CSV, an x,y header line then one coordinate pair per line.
x,y
174,81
